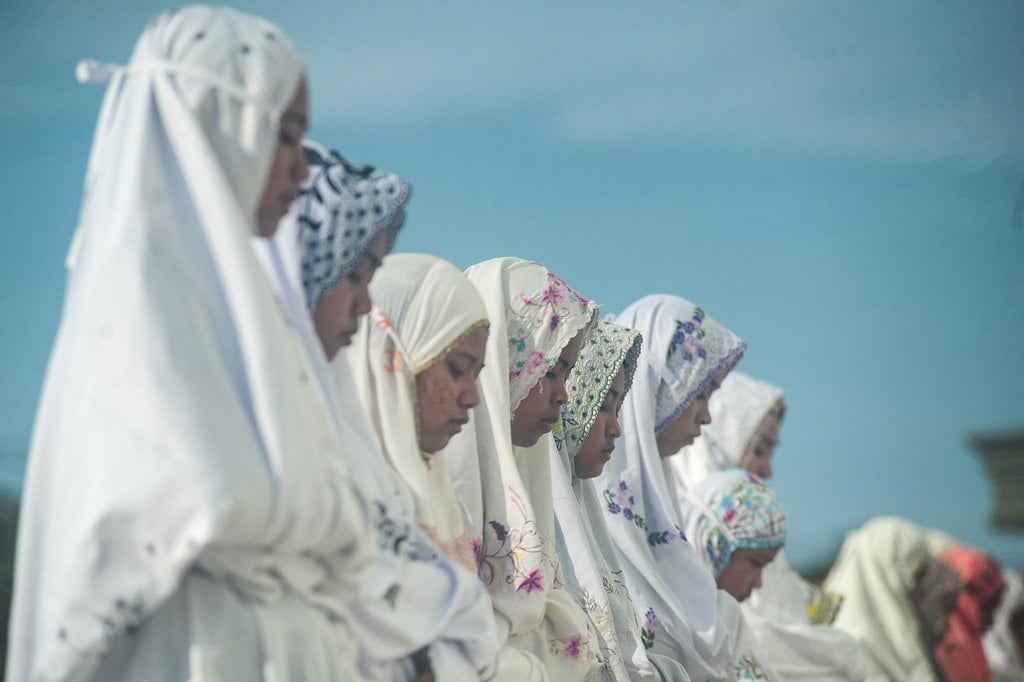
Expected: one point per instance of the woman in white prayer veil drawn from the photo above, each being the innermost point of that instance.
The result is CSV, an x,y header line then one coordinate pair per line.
x,y
416,365
502,472
788,616
686,354
187,514
897,597
433,616
588,428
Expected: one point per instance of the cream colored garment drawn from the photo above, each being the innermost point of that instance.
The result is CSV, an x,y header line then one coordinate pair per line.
x,y
506,490
737,410
874,573
591,569
778,611
423,306
689,618
187,510
428,602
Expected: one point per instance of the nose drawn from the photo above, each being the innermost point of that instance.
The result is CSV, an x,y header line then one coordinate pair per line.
x,y
613,429
767,471
560,394
363,304
704,416
471,396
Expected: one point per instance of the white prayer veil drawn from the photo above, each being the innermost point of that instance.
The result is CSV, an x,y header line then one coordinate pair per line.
x,y
418,599
185,513
788,616
686,617
737,409
591,569
423,307
506,490
874,572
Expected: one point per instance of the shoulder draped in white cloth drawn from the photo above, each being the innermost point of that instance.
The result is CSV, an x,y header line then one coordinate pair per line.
x,y
423,306
187,512
874,573
683,613
506,490
592,572
425,601
788,616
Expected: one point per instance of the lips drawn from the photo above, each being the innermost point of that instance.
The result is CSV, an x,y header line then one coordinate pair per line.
x,y
455,425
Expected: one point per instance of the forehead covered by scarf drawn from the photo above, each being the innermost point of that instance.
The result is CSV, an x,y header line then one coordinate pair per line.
x,y
738,511
428,304
737,410
343,207
544,314
683,346
610,347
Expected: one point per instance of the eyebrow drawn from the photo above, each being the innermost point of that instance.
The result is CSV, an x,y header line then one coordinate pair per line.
x,y
467,355
613,393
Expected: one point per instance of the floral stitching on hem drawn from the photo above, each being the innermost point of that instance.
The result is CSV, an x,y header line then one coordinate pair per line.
x,y
621,502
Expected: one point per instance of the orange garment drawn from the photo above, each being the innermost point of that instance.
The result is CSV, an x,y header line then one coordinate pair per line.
x,y
960,653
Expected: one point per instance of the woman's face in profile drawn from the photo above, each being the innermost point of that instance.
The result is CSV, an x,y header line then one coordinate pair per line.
x,y
288,168
446,391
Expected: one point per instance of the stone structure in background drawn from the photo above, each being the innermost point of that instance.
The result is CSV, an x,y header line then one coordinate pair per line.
x,y
1003,456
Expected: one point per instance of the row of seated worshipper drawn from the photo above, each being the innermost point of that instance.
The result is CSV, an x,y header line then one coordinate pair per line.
x,y
268,448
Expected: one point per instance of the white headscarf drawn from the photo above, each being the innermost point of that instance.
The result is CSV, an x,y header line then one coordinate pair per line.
x,y
591,569
506,489
875,571
685,615
737,410
423,307
792,642
183,483
427,601
1005,659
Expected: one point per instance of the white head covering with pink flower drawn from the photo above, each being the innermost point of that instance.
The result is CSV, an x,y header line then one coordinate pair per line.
x,y
506,490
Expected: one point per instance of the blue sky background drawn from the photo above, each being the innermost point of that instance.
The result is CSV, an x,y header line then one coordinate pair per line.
x,y
834,181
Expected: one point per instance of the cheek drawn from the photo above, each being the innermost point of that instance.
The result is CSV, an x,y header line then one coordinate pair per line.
x,y
434,396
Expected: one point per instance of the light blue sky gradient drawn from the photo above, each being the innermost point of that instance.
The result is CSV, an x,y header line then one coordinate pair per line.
x,y
833,181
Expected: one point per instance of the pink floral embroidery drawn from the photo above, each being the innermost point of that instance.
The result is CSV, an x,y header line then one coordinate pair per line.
x,y
533,582
534,360
572,648
553,294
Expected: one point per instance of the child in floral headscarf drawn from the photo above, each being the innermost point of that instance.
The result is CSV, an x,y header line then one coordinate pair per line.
x,y
738,526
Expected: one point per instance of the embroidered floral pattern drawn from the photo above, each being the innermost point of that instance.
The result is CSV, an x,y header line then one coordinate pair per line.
x,y
622,502
647,628
575,647
507,554
747,669
664,537
746,514
533,582
609,348
540,324
688,337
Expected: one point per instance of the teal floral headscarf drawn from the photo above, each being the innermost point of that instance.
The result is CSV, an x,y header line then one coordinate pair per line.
x,y
609,347
732,510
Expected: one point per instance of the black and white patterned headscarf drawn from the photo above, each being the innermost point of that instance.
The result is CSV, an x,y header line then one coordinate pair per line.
x,y
342,209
